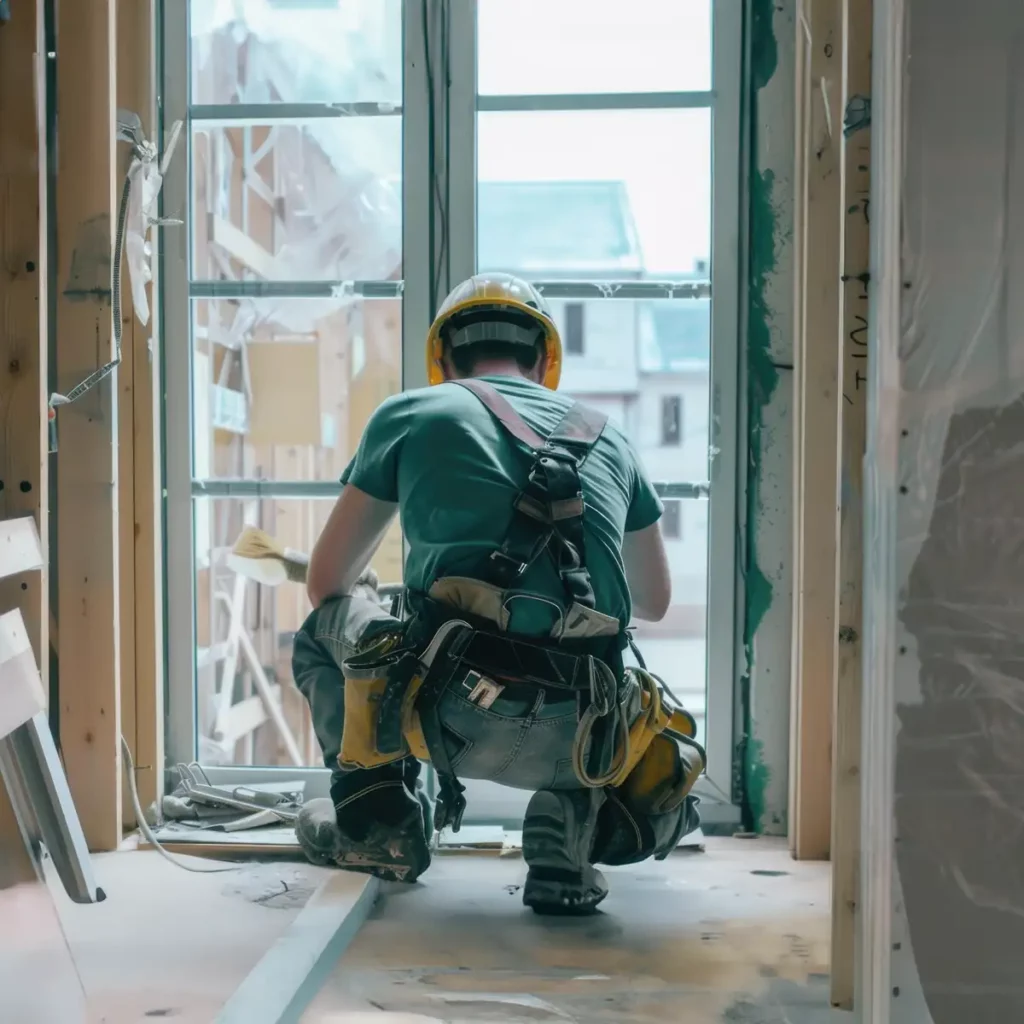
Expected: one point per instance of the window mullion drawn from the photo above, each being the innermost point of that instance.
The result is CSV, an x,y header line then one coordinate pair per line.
x,y
417,264
461,109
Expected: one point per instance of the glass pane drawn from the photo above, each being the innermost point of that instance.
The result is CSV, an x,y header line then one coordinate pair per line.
x,y
617,194
320,200
234,724
637,359
282,389
593,46
296,51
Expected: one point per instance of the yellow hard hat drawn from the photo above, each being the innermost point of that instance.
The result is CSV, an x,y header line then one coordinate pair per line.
x,y
494,307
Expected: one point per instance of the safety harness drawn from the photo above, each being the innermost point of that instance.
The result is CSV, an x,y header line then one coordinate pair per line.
x,y
409,672
549,510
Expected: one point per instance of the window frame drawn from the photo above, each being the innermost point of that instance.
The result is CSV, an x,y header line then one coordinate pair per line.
x,y
430,268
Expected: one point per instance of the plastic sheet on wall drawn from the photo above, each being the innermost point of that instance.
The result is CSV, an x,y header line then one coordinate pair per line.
x,y
945,516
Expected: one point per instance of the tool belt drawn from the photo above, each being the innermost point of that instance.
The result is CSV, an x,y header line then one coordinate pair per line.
x,y
629,735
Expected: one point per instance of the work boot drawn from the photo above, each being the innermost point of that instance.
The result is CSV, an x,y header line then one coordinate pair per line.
x,y
558,834
378,830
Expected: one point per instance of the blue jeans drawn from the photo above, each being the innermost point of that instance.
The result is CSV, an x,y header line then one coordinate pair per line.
x,y
524,739
521,740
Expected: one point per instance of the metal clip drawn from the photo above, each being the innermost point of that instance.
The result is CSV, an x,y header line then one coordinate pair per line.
x,y
600,691
450,806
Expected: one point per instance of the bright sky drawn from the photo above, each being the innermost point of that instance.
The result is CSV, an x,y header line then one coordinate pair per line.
x,y
581,46
557,46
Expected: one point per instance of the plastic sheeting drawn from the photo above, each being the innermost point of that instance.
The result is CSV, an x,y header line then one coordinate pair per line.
x,y
956,485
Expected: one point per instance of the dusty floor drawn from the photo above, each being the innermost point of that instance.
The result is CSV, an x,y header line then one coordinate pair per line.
x,y
172,945
738,934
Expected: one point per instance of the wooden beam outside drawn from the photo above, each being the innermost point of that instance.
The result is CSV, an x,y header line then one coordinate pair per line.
x,y
139,505
87,477
846,753
239,246
23,427
816,380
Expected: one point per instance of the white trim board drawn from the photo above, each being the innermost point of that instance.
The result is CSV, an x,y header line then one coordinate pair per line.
x,y
286,980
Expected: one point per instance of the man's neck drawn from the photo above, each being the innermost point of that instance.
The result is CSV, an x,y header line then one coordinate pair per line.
x,y
498,368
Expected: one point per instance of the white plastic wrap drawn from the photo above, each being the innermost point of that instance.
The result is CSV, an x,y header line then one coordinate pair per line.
x,y
945,521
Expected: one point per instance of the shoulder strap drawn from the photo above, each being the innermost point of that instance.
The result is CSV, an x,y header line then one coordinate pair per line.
x,y
579,426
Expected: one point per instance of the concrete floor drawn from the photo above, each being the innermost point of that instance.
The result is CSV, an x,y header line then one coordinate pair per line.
x,y
738,934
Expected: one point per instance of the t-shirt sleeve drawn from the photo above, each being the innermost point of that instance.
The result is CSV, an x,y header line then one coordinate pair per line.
x,y
645,507
374,468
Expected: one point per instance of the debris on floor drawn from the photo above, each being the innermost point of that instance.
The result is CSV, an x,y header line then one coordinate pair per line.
x,y
197,803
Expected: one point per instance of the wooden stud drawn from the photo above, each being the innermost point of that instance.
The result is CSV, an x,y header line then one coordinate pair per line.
x,y
237,244
23,427
87,477
139,505
846,754
816,379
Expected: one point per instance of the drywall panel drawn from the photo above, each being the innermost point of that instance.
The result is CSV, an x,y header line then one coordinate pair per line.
x,y
958,926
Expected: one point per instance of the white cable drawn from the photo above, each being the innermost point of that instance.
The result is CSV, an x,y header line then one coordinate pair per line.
x,y
206,869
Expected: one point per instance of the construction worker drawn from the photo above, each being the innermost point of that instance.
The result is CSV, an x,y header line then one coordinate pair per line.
x,y
533,540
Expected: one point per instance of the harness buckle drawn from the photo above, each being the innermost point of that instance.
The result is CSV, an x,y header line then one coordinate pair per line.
x,y
506,564
557,452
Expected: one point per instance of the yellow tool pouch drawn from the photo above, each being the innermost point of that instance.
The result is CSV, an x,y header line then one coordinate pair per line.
x,y
365,683
663,760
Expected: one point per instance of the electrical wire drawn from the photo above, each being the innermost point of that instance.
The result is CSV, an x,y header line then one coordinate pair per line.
x,y
105,371
206,869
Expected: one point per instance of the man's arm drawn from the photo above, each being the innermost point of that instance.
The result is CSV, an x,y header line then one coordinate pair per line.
x,y
647,573
354,530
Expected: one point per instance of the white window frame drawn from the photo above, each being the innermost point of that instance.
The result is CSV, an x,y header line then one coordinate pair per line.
x,y
454,122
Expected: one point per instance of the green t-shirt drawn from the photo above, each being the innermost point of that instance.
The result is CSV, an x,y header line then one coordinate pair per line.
x,y
454,472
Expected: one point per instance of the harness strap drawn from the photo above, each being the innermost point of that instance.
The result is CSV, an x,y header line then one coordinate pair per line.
x,y
501,409
548,512
451,803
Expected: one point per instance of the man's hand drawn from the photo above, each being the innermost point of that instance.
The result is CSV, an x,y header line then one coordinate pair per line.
x,y
366,585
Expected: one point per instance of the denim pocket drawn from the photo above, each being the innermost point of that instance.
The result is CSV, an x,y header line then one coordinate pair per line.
x,y
485,741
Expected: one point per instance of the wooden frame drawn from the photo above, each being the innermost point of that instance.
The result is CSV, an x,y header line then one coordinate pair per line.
x,y
816,378
140,508
855,251
87,470
23,426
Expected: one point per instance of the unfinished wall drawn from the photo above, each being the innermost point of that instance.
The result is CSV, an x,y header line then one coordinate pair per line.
x,y
767,622
959,655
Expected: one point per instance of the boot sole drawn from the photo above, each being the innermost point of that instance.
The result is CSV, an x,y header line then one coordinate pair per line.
x,y
394,855
562,893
